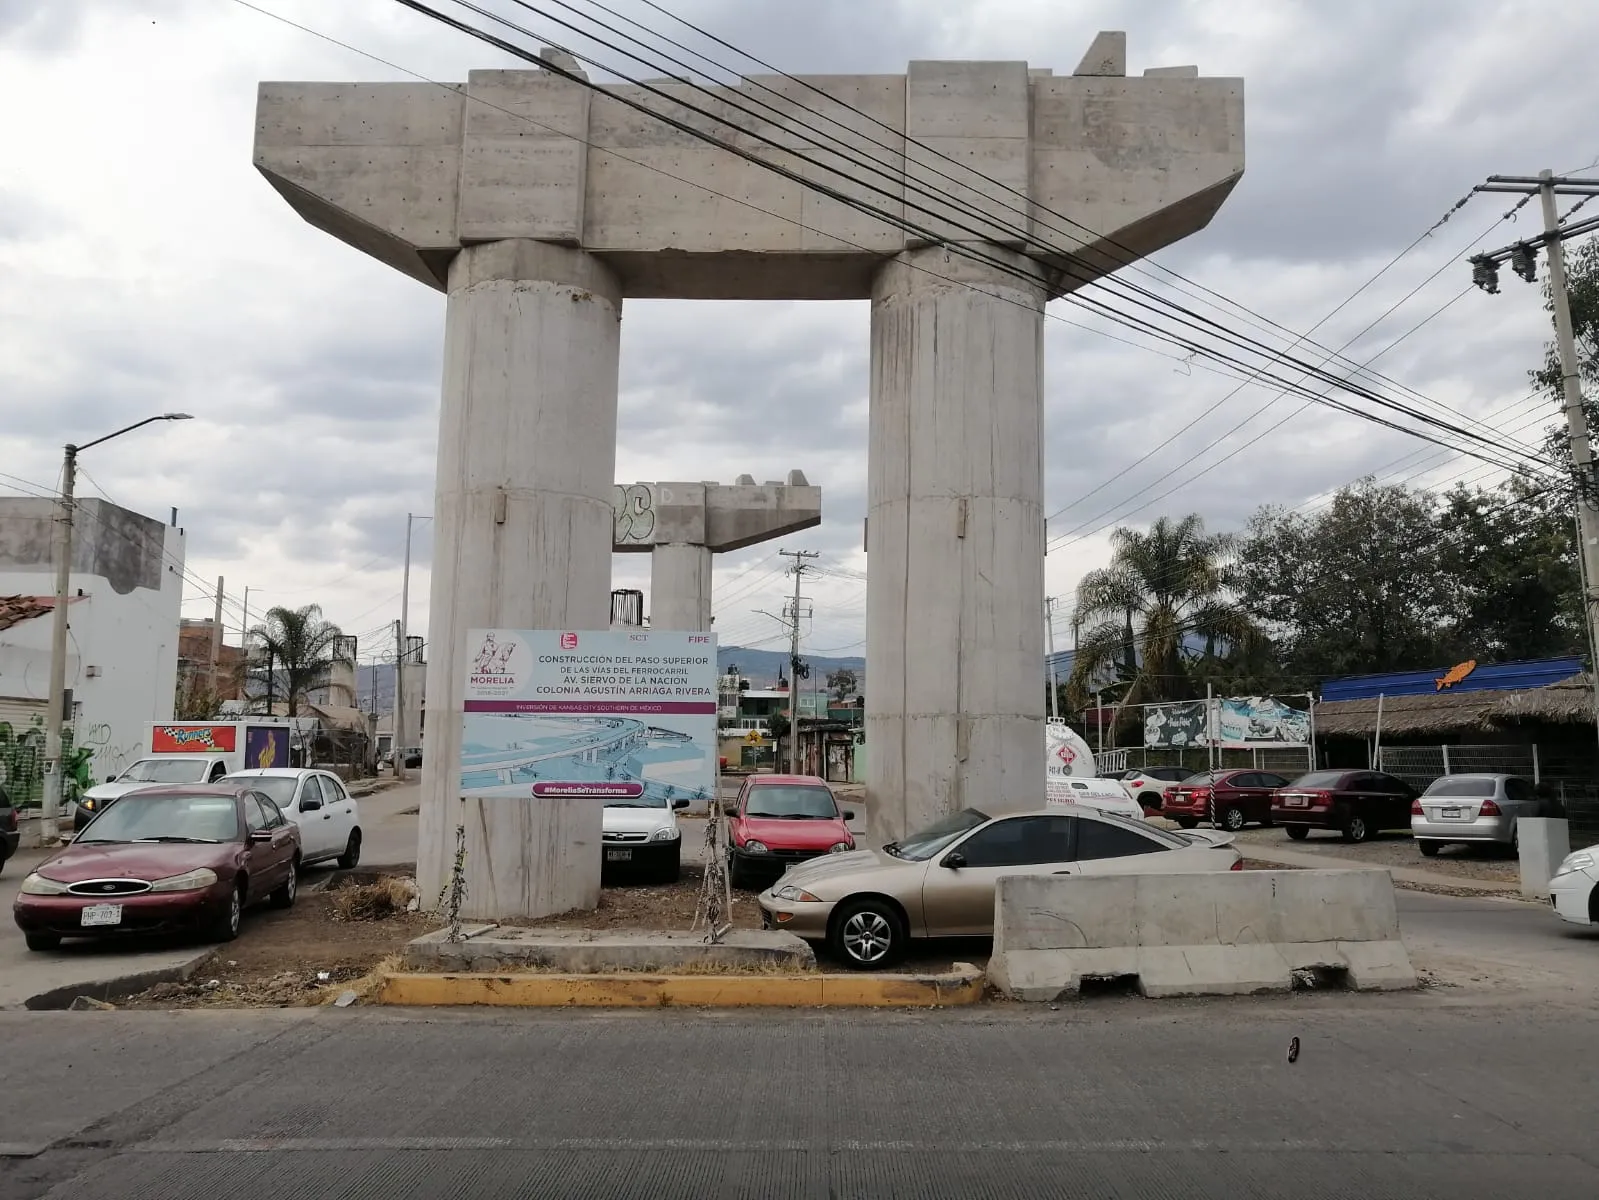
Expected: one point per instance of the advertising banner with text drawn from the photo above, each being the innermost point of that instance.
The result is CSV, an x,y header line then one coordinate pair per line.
x,y
626,716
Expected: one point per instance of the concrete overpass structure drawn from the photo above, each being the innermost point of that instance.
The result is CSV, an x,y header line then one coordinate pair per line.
x,y
538,203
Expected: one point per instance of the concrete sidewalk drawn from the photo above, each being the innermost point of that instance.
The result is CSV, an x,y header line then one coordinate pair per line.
x,y
1291,858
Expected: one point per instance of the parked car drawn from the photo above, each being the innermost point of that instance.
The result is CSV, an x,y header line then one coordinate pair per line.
x,y
939,882
164,860
318,802
1480,809
146,772
10,828
642,832
780,820
1228,799
1574,889
1150,785
1356,803
1107,795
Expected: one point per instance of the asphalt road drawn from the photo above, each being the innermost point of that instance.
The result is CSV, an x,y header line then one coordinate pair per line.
x,y
1390,1097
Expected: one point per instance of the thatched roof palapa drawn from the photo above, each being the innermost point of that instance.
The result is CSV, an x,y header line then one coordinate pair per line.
x,y
1568,702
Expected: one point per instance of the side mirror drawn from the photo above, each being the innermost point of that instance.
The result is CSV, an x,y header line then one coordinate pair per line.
x,y
309,805
730,810
954,859
849,814
680,805
260,835
110,778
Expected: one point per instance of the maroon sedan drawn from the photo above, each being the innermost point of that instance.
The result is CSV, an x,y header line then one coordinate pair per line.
x,y
165,860
1227,799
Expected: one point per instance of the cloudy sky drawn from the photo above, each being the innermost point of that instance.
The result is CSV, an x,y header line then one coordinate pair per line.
x,y
145,266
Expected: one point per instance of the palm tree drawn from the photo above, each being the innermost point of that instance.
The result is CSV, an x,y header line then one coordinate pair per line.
x,y
297,646
1161,586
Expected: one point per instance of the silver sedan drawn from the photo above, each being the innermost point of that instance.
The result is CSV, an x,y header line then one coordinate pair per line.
x,y
1477,809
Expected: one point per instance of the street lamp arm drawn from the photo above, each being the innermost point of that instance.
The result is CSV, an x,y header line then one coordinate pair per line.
x,y
174,416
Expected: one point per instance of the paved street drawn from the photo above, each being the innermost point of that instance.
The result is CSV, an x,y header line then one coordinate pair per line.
x,y
1391,1096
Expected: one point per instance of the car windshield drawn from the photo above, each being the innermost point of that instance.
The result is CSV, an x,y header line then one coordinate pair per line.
x,y
165,770
799,803
925,843
1319,779
279,787
645,800
166,817
1463,785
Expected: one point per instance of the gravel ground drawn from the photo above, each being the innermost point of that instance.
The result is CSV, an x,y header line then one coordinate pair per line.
x,y
1393,850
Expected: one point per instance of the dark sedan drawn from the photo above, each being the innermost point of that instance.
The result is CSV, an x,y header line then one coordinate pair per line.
x,y
1357,804
164,860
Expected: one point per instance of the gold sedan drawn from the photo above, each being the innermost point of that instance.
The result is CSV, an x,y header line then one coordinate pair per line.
x,y
939,882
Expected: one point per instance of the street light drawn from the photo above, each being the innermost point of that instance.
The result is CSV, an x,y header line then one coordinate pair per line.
x,y
50,807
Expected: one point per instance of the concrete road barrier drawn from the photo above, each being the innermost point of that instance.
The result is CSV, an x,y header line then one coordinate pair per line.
x,y
1185,935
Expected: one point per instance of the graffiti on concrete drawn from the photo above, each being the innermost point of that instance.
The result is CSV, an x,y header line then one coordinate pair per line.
x,y
22,762
103,759
633,512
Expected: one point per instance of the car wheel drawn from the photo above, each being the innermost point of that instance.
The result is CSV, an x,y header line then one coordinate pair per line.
x,y
867,935
1186,822
1297,832
1232,818
284,896
1515,842
226,927
1428,847
42,941
352,851
1356,829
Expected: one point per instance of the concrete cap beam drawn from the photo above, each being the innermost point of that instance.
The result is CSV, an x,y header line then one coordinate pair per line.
x,y
720,517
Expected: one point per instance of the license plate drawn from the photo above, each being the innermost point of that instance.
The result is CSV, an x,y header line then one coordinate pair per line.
x,y
1451,812
102,914
618,856
1294,801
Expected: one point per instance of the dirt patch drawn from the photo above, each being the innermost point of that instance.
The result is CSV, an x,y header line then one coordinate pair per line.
x,y
1260,864
1439,889
1395,850
625,904
286,959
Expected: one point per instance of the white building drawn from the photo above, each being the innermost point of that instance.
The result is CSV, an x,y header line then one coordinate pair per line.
x,y
126,593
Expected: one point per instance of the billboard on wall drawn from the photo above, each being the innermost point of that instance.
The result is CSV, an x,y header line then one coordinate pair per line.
x,y
266,746
1235,723
193,739
624,715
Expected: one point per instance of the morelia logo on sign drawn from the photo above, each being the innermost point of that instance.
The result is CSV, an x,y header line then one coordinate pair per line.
x,y
192,739
489,667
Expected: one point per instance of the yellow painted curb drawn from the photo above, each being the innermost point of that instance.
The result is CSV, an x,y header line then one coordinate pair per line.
x,y
963,986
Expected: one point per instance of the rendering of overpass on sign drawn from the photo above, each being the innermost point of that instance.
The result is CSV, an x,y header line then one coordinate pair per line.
x,y
597,751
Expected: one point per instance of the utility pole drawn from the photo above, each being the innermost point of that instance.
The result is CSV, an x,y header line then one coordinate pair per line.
x,y
400,630
1522,259
216,644
1049,652
799,557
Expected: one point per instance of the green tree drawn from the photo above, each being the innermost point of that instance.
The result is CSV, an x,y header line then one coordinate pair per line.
x,y
297,646
1357,587
1512,555
1163,587
842,684
1582,290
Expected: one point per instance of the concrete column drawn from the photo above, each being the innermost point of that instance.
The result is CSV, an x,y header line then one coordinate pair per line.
x,y
955,705
411,701
522,529
680,587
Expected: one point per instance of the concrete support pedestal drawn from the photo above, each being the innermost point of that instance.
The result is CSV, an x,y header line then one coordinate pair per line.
x,y
954,539
1543,843
522,528
680,587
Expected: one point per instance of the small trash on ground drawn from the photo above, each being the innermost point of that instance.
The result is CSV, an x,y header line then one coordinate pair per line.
x,y
346,998
323,976
89,1004
211,984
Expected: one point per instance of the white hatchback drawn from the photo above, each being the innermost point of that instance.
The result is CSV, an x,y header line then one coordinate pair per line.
x,y
319,803
1574,891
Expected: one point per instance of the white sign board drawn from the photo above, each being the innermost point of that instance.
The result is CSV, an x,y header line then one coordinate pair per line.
x,y
1066,755
623,715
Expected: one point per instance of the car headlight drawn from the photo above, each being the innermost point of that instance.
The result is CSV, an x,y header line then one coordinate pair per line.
x,y
664,834
754,847
1580,861
37,885
88,803
840,847
189,881
796,894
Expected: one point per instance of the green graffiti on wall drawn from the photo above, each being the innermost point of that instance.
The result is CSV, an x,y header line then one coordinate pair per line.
x,y
22,764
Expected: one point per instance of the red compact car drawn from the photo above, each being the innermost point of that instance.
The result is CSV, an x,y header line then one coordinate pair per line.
x,y
164,860
779,820
1228,799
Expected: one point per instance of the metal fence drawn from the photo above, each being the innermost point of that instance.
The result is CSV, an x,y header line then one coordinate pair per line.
x,y
1288,761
